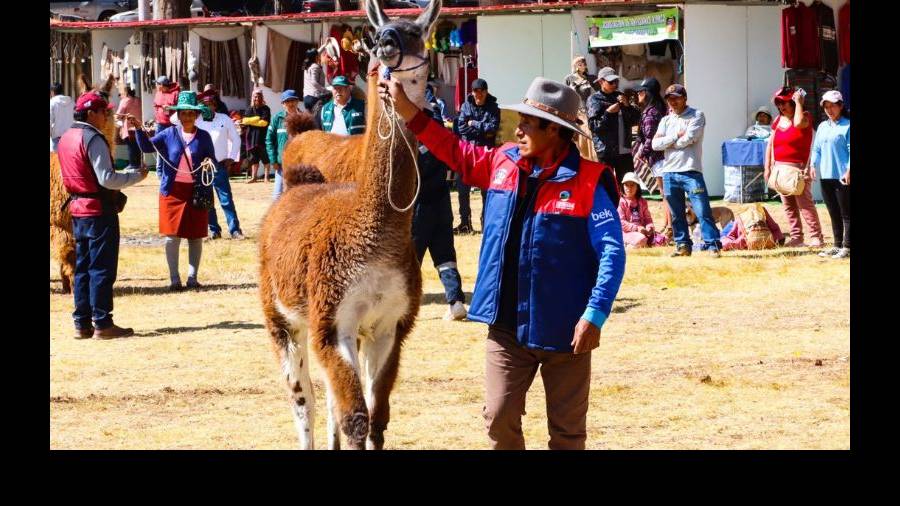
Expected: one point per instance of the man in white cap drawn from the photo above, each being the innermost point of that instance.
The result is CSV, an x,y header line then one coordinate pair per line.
x,y
551,258
610,119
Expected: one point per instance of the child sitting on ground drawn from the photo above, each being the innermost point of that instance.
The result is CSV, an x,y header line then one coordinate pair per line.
x,y
637,224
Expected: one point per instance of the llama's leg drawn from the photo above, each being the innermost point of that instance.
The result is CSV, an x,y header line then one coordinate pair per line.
x,y
334,433
338,355
382,357
303,399
292,355
64,276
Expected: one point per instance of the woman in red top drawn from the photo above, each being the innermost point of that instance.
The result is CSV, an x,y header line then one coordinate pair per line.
x,y
790,144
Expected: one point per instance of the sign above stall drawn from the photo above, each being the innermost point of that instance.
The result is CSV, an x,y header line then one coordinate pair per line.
x,y
640,29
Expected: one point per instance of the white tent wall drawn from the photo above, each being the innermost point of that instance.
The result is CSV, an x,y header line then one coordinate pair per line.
x,y
510,56
732,66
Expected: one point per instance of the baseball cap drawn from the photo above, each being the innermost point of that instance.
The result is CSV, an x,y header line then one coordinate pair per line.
x,y
164,81
340,81
607,74
833,96
289,95
91,101
479,84
676,90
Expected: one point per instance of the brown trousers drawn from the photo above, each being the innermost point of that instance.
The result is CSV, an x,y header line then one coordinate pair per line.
x,y
509,372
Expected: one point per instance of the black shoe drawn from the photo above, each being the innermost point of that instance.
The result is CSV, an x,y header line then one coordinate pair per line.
x,y
176,287
216,235
192,283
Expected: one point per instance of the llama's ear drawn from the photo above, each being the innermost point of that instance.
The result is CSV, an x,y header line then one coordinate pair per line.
x,y
429,16
376,15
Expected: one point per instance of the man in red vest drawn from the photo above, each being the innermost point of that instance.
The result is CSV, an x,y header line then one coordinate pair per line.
x,y
90,179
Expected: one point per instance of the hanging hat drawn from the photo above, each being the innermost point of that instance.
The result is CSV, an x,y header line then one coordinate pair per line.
x,y
552,101
187,101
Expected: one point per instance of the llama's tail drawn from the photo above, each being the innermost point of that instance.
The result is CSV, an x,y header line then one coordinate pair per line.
x,y
302,174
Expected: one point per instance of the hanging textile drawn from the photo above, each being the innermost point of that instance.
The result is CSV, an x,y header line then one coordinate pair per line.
x,y
70,57
844,32
277,49
221,66
111,62
464,79
827,33
293,78
845,85
799,38
164,53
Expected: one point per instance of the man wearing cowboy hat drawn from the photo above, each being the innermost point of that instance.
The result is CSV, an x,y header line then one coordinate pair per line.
x,y
551,260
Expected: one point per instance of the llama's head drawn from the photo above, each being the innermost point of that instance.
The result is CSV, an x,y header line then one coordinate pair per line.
x,y
400,47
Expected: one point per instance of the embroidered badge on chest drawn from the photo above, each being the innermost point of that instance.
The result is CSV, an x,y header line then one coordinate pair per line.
x,y
500,176
563,202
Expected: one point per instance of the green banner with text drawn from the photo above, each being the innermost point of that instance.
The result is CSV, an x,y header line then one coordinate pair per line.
x,y
640,29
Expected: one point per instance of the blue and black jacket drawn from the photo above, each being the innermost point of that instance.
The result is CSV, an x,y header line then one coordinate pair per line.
x,y
571,258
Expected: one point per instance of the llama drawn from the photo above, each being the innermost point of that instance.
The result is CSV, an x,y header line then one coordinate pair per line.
x,y
338,270
62,242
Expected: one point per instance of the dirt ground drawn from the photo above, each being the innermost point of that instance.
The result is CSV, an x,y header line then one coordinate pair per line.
x,y
749,351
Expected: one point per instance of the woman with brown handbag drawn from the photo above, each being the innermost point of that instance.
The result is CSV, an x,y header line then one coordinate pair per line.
x,y
787,168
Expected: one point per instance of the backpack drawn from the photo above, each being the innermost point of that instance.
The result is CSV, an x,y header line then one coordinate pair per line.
x,y
756,231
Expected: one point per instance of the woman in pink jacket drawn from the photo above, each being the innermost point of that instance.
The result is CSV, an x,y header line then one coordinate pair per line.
x,y
637,224
130,105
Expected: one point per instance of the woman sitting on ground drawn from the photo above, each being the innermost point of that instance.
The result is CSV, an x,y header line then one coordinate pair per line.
x,y
637,224
183,149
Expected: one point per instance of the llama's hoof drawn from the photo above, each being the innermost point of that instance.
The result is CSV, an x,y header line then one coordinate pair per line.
x,y
356,428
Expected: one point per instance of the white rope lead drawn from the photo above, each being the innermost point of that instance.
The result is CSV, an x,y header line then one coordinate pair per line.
x,y
390,112
208,168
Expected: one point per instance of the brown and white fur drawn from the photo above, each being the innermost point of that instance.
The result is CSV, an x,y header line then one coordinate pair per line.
x,y
62,242
339,273
721,215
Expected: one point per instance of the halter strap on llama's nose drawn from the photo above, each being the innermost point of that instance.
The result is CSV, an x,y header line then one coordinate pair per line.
x,y
392,33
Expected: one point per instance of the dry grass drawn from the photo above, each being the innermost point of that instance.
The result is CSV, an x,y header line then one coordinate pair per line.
x,y
699,353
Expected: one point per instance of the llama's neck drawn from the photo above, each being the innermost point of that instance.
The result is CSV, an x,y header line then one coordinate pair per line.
x,y
386,169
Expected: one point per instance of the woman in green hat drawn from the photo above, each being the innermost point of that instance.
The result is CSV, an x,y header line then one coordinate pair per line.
x,y
182,195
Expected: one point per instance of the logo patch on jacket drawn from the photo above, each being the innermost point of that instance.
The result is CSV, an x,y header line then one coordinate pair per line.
x,y
500,176
602,217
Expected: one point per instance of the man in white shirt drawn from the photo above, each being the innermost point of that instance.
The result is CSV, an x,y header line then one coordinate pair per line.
x,y
227,143
62,114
